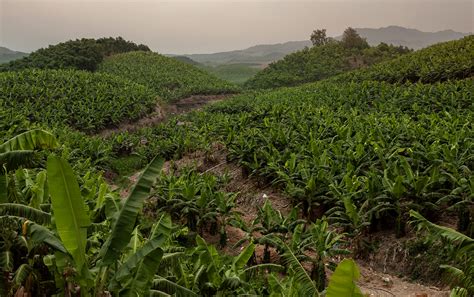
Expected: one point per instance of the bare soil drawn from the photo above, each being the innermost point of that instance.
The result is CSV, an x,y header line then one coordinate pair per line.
x,y
377,273
163,111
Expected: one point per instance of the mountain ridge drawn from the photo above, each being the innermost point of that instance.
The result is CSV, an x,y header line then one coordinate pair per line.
x,y
267,53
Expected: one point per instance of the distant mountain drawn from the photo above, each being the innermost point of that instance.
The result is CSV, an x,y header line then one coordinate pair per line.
x,y
7,55
411,38
259,54
267,53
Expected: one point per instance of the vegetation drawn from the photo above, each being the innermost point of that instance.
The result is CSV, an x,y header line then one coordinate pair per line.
x,y
440,62
169,78
81,100
353,158
320,62
235,73
81,54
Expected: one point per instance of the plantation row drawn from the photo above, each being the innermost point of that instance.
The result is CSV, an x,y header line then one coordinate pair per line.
x,y
440,62
320,62
78,99
62,235
169,78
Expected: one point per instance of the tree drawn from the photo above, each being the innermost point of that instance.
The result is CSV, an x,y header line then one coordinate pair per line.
x,y
352,39
318,37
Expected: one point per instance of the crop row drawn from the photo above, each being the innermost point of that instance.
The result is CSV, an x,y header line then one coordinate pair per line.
x,y
81,100
169,78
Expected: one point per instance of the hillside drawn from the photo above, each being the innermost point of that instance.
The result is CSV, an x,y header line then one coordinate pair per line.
x,y
80,54
81,100
267,53
320,62
7,55
169,78
439,62
358,184
411,38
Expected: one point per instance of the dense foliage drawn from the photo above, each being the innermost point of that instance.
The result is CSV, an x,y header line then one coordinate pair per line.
x,y
353,158
439,62
168,77
78,99
376,143
320,62
235,73
82,54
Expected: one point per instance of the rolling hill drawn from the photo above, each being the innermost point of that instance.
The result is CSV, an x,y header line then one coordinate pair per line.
x,y
267,53
169,78
7,55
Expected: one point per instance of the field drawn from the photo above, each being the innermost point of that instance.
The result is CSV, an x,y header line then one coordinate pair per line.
x,y
169,78
321,62
235,73
279,192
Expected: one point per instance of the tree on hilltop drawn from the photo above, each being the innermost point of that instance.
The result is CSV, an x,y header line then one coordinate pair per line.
x,y
352,39
318,37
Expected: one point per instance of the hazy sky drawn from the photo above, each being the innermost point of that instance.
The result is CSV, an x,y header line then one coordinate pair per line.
x,y
195,26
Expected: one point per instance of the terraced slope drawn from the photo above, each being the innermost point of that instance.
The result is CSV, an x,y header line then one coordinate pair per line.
x,y
81,100
169,78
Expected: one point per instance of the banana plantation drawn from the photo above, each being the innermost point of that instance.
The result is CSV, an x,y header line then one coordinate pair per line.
x,y
354,157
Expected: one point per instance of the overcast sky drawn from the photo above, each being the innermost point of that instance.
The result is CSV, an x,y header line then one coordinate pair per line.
x,y
195,26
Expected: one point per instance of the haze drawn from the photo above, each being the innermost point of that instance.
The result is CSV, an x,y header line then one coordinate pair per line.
x,y
204,26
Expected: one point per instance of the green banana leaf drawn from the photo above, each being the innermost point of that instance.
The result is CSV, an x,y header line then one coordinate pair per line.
x,y
123,228
69,208
141,284
25,211
30,140
342,282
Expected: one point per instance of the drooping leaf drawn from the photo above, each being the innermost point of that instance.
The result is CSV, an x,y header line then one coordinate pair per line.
x,y
125,223
68,207
168,287
24,211
21,274
30,140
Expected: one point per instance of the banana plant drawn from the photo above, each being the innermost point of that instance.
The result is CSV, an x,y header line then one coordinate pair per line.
x,y
461,276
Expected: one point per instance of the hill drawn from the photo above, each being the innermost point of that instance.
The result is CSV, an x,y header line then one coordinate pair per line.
x,y
320,62
7,55
411,38
81,54
169,78
267,53
439,62
81,100
260,54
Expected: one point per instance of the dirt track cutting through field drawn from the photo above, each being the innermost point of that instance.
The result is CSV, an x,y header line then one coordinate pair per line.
x,y
163,111
252,193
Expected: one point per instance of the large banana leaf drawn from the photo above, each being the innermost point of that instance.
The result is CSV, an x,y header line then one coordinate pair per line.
x,y
126,269
38,233
30,140
342,282
26,212
125,223
69,209
141,284
14,159
241,260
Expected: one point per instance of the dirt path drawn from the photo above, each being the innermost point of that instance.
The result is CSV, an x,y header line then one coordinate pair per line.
x,y
374,282
164,111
